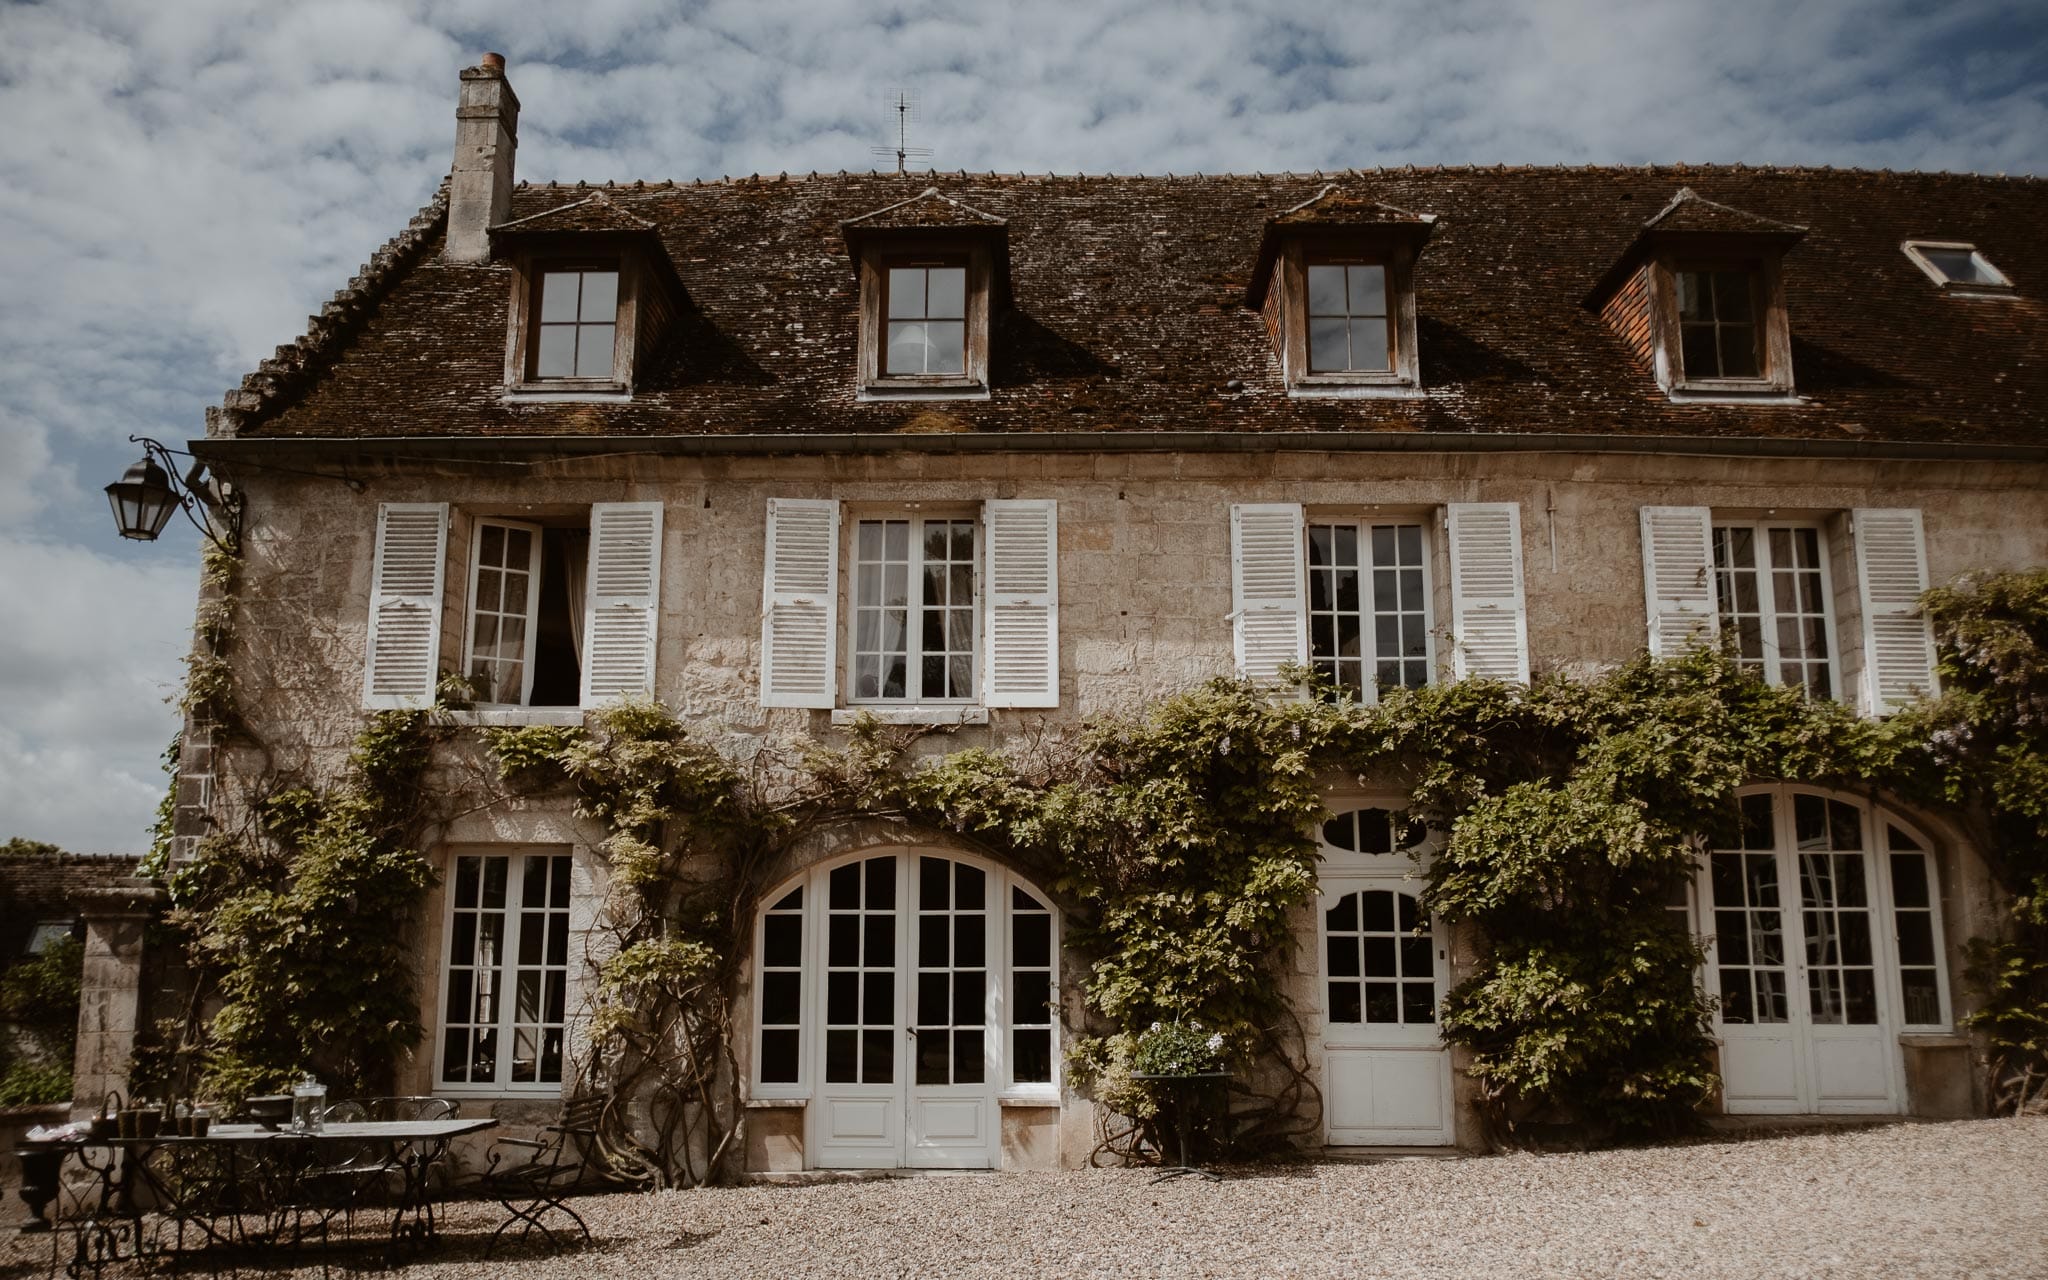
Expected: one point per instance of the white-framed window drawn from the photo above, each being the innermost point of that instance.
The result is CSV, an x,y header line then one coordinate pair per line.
x,y
1369,595
911,969
947,610
1356,598
915,614
555,613
505,973
1775,602
1957,266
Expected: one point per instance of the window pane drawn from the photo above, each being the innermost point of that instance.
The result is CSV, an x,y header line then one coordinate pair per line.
x,y
906,347
1033,1052
1738,352
1368,291
594,351
906,292
557,355
1909,874
1702,358
1369,345
1732,296
1031,940
778,1057
1692,300
600,297
948,342
1326,292
946,298
558,295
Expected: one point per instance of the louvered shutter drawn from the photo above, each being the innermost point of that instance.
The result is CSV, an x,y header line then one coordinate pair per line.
x,y
403,655
1488,625
1898,643
1678,578
1268,588
623,594
1022,592
800,603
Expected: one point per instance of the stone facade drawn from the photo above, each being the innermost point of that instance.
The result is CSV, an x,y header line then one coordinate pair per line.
x,y
1140,379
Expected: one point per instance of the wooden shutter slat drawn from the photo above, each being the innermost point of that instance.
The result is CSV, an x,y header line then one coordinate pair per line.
x,y
1489,624
1678,578
623,601
1898,642
1021,537
800,603
402,654
1269,588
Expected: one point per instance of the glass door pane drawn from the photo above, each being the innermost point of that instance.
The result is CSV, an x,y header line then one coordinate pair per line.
x,y
1834,903
951,1016
860,973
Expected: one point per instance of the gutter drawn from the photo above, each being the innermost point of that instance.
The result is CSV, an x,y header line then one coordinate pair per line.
x,y
522,449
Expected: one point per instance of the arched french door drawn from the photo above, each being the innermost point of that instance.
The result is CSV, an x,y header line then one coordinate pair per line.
x,y
904,995
1385,967
1824,945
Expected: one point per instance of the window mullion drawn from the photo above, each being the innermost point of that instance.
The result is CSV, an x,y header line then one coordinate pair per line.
x,y
913,640
1767,603
508,993
1368,615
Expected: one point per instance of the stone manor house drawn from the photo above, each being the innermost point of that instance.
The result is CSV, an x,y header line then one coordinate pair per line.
x,y
1006,452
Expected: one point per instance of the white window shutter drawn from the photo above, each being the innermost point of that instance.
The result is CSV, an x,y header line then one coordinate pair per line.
x,y
1891,573
623,601
1021,589
1489,626
403,655
1678,578
800,603
1268,588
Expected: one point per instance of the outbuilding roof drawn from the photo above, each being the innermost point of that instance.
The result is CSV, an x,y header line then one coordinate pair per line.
x,y
1126,310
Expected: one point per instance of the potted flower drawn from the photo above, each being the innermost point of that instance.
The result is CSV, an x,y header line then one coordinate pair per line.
x,y
1186,1063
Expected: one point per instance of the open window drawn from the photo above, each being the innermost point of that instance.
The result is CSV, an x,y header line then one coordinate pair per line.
x,y
1957,267
556,609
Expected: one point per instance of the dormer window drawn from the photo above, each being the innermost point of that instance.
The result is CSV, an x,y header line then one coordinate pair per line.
x,y
1717,314
1348,329
1699,298
593,295
578,310
931,270
1335,281
1957,267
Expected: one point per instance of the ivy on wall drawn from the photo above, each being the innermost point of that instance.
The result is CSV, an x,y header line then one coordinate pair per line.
x,y
1180,843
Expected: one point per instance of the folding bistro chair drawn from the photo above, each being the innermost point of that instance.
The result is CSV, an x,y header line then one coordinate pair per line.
x,y
561,1165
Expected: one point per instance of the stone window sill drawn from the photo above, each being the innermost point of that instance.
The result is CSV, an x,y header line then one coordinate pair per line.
x,y
942,714
777,1104
515,717
924,391
1021,1099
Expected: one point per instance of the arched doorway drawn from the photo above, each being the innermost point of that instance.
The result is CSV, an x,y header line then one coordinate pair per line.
x,y
904,996
1824,945
1385,968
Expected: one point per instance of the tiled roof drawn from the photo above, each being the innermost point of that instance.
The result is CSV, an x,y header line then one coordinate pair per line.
x,y
1128,312
928,208
592,213
1690,211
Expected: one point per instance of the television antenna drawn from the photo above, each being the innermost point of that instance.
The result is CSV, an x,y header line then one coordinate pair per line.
x,y
904,103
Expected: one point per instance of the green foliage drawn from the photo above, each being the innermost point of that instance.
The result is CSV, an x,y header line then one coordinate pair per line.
x,y
25,1084
41,992
164,826
1178,1049
22,847
306,928
1986,756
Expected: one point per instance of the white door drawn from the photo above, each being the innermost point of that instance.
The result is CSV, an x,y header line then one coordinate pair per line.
x,y
930,991
1385,965
856,1116
954,1122
1800,948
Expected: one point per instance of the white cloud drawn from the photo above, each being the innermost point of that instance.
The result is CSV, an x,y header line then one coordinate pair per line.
x,y
185,183
93,647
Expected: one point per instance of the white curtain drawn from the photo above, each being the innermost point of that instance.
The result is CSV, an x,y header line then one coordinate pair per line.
x,y
575,563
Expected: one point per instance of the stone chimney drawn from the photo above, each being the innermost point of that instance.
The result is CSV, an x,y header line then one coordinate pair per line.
x,y
486,135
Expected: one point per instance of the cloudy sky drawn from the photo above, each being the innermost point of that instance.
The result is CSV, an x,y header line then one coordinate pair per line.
x,y
182,183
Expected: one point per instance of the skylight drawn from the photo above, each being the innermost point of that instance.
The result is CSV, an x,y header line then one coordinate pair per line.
x,y
1957,266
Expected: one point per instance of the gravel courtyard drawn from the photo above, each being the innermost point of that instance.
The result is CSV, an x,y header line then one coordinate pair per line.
x,y
1958,1199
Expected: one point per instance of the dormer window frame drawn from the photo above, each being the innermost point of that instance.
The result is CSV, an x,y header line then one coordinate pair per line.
x,y
2002,287
1773,380
877,255
530,267
1299,252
